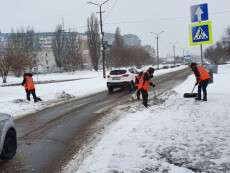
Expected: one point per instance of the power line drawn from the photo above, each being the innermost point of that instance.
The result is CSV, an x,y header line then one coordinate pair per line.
x,y
151,20
157,38
111,9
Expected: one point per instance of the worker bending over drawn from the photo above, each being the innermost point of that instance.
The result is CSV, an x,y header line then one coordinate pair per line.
x,y
202,80
145,83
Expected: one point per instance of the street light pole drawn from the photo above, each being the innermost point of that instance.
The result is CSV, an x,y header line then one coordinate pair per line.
x,y
201,54
174,52
158,52
157,38
102,33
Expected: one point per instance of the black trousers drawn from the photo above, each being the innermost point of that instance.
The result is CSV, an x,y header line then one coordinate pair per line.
x,y
28,92
203,86
138,94
144,94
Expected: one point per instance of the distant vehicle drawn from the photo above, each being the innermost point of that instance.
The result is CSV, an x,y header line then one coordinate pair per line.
x,y
120,78
165,67
8,137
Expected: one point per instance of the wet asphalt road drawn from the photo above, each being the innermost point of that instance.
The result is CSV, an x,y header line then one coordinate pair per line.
x,y
46,139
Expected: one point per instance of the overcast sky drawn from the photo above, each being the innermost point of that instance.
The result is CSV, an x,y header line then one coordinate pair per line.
x,y
133,16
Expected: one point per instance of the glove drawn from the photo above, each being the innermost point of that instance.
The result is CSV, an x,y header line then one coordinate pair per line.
x,y
153,85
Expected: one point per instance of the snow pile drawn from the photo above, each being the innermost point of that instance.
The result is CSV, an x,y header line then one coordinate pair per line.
x,y
179,136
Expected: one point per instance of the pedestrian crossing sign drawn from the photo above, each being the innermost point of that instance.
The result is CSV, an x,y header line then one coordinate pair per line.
x,y
200,33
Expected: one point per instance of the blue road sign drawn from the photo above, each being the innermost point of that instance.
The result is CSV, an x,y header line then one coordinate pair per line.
x,y
199,13
201,33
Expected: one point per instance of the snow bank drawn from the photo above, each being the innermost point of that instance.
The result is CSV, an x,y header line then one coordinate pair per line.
x,y
179,136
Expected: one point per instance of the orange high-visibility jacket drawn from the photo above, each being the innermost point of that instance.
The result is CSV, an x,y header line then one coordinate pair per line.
x,y
144,84
204,75
29,84
137,80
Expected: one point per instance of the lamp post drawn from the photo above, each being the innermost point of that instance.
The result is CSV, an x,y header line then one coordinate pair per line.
x,y
174,52
157,38
102,33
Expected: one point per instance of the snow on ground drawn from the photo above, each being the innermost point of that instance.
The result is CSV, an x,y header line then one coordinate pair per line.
x,y
55,76
179,136
164,71
13,97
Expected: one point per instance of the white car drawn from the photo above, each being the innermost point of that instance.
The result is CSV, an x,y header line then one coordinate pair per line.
x,y
119,78
8,138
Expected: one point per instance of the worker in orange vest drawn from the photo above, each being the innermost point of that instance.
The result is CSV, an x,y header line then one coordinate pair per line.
x,y
28,84
137,81
202,80
145,83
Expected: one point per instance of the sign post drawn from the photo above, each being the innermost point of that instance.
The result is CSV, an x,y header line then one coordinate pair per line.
x,y
201,28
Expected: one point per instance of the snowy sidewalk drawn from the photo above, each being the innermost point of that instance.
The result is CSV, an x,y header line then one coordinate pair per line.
x,y
179,136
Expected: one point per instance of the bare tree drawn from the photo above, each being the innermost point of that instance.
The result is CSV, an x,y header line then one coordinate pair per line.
x,y
117,50
4,64
123,55
73,59
59,45
21,50
31,47
137,56
219,53
16,52
4,67
94,42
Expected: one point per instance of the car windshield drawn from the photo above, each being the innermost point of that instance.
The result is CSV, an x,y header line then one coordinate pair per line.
x,y
133,70
117,72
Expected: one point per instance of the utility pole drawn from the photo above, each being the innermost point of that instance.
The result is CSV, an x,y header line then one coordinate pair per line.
x,y
183,60
157,38
201,54
174,52
102,33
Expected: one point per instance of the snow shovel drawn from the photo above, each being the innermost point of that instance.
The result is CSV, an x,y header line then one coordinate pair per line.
x,y
191,95
133,96
154,91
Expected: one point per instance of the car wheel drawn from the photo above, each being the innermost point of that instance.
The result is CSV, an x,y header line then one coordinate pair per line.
x,y
10,145
110,89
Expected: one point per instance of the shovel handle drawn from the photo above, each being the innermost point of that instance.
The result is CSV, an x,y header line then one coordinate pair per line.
x,y
193,88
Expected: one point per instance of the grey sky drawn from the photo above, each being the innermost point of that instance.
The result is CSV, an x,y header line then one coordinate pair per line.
x,y
132,16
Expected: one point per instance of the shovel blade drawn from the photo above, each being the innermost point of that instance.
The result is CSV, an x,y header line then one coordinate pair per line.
x,y
190,95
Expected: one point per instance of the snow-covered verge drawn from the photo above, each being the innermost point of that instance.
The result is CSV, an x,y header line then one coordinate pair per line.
x,y
164,71
13,97
54,76
179,136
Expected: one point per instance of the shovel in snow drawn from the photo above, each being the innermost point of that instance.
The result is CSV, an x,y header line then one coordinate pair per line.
x,y
191,95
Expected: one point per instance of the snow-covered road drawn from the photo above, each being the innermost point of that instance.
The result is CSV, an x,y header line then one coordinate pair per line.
x,y
13,97
179,136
